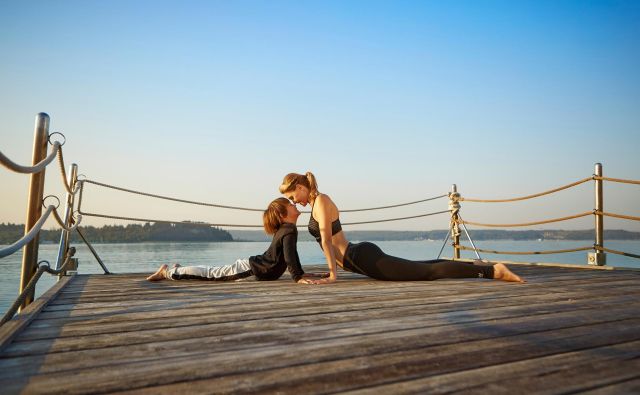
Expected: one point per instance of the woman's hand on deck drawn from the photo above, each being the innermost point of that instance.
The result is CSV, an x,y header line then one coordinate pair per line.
x,y
326,280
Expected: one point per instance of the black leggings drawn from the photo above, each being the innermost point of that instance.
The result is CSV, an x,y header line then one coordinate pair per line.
x,y
368,259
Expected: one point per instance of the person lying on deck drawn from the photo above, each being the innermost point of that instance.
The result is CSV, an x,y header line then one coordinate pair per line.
x,y
279,219
367,258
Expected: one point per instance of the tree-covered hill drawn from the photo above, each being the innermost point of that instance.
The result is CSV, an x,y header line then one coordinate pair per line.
x,y
132,233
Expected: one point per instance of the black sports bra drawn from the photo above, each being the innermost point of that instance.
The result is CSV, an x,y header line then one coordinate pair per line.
x,y
314,227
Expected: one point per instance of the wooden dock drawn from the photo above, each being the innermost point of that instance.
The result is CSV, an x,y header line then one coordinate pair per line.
x,y
566,330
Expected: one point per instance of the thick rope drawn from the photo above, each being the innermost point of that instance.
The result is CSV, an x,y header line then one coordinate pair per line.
x,y
617,252
529,196
395,205
163,221
170,198
80,186
61,222
606,214
242,208
33,232
527,252
63,172
37,227
43,266
528,223
395,219
135,219
37,168
620,180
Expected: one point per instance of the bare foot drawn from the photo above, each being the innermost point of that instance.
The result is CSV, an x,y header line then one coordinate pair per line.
x,y
501,272
160,274
176,265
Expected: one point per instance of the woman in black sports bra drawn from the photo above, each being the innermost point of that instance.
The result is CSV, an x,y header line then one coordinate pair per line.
x,y
367,258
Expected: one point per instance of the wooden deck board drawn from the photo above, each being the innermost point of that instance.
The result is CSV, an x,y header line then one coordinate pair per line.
x,y
566,330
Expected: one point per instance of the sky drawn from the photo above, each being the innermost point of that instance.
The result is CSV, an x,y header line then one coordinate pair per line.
x,y
384,101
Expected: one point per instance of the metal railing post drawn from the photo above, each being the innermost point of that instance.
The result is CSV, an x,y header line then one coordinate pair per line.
x,y
68,211
34,204
454,207
598,257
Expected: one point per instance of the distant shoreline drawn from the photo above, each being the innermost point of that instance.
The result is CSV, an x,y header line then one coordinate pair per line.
x,y
130,234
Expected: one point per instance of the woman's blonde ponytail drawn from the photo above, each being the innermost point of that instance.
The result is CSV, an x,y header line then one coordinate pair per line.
x,y
313,185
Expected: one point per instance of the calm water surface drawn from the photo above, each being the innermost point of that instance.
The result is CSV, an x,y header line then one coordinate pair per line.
x,y
146,257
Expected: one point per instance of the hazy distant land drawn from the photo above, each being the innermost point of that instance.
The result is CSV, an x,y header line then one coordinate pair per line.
x,y
132,233
189,232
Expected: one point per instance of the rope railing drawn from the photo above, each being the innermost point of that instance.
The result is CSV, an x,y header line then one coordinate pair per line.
x,y
29,235
165,221
63,173
617,252
35,217
217,205
51,209
394,205
612,215
61,222
43,266
548,221
173,199
573,184
37,168
598,212
585,248
618,180
208,224
396,219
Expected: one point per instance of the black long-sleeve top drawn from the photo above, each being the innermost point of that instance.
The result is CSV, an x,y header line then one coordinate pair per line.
x,y
282,254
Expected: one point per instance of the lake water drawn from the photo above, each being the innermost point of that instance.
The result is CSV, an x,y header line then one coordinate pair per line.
x,y
146,257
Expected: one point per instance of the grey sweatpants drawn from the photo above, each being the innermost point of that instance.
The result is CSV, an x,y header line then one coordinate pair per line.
x,y
239,269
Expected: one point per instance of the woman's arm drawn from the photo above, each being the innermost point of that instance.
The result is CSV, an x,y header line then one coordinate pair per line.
x,y
323,209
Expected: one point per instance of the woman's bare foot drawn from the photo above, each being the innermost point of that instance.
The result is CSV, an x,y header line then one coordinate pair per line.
x,y
160,274
501,272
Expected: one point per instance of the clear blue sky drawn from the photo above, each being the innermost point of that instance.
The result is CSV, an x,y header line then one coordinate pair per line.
x,y
385,101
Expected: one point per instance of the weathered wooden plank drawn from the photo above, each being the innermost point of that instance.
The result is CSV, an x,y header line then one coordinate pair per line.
x,y
589,368
11,329
266,307
168,309
380,373
116,281
61,361
167,370
631,386
324,291
115,333
312,297
190,289
218,305
302,325
195,316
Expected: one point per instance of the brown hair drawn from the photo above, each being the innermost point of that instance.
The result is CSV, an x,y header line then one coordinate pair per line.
x,y
308,180
272,216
